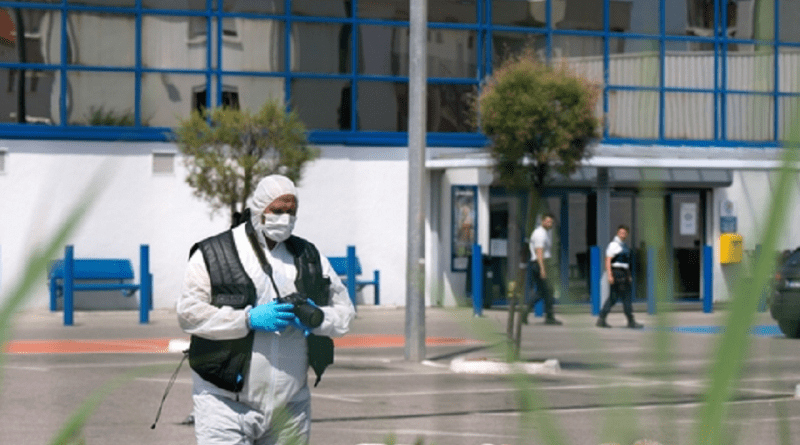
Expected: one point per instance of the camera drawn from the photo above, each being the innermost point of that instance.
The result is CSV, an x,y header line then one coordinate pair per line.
x,y
307,313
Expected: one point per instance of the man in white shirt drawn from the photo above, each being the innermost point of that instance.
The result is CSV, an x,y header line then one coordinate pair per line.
x,y
618,270
541,264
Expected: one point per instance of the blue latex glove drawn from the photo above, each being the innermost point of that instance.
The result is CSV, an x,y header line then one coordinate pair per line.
x,y
299,325
271,317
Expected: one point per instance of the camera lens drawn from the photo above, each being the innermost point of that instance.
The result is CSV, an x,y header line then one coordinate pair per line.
x,y
309,315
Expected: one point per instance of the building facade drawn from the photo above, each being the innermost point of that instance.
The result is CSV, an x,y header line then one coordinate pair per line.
x,y
697,95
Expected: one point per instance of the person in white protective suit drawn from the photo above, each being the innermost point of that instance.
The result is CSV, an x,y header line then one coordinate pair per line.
x,y
268,400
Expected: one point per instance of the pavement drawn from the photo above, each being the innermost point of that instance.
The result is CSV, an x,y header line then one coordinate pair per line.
x,y
371,395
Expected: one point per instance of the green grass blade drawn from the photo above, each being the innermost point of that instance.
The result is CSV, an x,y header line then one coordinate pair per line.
x,y
733,346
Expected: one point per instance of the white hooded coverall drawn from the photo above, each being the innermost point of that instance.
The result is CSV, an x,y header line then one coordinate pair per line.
x,y
278,374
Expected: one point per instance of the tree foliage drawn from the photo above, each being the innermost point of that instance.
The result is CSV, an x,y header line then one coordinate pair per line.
x,y
228,151
539,118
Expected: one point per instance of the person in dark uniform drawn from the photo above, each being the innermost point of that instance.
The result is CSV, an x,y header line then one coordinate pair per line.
x,y
618,269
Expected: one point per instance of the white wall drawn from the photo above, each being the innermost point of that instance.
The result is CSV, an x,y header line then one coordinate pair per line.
x,y
351,195
752,193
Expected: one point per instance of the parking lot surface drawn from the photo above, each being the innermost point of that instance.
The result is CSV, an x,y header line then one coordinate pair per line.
x,y
608,385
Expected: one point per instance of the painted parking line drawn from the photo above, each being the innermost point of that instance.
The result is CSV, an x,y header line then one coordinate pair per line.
x,y
165,345
764,330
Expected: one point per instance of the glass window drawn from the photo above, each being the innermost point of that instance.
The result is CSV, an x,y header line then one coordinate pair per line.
x,y
167,96
525,13
751,71
633,114
383,106
689,116
192,5
683,69
452,53
449,108
577,46
254,6
788,18
588,15
321,47
789,118
322,8
322,104
253,91
166,43
387,10
37,27
38,97
198,27
789,70
115,48
229,99
750,117
384,50
452,11
509,44
117,3
101,98
639,64
259,47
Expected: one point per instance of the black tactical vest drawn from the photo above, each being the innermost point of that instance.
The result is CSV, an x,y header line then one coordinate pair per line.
x,y
225,362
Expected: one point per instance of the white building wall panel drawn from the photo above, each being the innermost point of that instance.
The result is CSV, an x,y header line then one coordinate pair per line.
x,y
350,196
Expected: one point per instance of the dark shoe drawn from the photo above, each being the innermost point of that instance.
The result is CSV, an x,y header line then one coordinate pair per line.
x,y
552,321
601,323
635,325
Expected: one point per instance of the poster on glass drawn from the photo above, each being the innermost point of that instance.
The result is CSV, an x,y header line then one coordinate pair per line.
x,y
464,204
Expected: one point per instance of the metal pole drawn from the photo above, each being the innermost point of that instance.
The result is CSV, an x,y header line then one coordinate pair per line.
x,y
145,284
69,276
417,118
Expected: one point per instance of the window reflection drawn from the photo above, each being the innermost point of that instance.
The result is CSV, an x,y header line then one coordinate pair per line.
x,y
31,91
101,98
320,103
88,50
322,47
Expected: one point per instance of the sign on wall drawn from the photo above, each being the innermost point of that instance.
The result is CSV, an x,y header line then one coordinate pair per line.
x,y
465,222
727,217
688,218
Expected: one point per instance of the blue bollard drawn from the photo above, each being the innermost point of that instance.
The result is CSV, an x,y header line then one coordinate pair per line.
x,y
69,253
477,280
594,278
351,273
708,279
145,284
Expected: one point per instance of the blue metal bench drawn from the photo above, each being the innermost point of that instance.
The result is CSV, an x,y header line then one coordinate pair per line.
x,y
69,275
348,267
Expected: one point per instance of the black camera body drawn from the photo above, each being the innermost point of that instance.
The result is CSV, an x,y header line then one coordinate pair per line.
x,y
307,313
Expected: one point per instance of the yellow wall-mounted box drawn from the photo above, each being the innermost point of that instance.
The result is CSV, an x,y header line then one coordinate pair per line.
x,y
730,248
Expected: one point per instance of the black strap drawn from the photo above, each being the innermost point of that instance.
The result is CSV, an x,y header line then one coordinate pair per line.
x,y
169,386
252,237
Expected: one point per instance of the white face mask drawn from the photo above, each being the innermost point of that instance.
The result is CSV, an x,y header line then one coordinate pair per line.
x,y
278,227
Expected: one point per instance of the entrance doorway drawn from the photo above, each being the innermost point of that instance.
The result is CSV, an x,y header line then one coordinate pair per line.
x,y
575,232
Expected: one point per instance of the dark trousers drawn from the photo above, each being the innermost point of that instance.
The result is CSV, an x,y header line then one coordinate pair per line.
x,y
620,291
543,289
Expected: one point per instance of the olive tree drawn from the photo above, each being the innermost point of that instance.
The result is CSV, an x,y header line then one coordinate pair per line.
x,y
540,120
228,151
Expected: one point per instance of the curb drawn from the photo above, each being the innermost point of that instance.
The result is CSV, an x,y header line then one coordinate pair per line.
x,y
491,366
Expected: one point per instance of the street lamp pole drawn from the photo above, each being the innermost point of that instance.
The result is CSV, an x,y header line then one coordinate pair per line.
x,y
417,102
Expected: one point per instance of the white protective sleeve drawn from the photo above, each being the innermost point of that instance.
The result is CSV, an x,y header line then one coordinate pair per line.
x,y
340,311
196,314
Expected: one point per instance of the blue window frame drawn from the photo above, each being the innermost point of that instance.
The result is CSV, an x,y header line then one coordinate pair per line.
x,y
693,74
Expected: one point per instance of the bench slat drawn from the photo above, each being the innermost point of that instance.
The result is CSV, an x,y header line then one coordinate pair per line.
x,y
95,269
